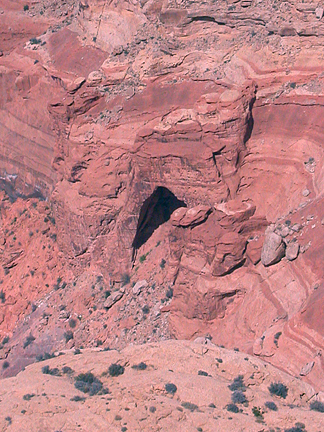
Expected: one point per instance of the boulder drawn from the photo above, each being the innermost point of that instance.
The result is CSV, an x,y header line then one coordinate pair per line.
x,y
137,288
292,251
273,249
190,217
114,298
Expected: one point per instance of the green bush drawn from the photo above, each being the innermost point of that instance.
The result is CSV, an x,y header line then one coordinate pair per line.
x,y
115,370
317,406
271,406
170,388
29,340
189,406
237,384
88,383
232,408
140,366
278,389
238,397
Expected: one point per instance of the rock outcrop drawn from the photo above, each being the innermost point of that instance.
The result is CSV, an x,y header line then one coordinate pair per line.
x,y
157,141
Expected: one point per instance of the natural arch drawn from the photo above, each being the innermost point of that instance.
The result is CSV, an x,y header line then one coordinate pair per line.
x,y
155,210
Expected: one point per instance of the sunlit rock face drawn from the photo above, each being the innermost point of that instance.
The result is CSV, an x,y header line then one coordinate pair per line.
x,y
162,142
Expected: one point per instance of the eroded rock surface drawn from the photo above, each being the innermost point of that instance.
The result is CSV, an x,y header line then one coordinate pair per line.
x,y
157,141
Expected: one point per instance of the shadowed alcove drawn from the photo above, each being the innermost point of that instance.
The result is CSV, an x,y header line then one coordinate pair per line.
x,y
156,210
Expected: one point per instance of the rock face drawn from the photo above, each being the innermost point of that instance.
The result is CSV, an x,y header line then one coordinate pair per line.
x,y
273,249
157,141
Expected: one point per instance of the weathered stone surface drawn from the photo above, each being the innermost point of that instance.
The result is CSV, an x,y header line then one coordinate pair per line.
x,y
292,250
222,106
273,249
137,288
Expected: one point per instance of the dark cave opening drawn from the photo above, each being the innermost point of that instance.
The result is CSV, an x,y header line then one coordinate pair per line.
x,y
155,210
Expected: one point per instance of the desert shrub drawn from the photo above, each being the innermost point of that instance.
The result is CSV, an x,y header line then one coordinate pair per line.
x,y
257,412
26,7
28,396
145,310
115,370
67,370
237,384
5,365
232,408
140,366
125,279
142,258
88,383
278,389
152,409
169,293
5,340
29,340
271,406
238,397
295,429
276,338
8,419
78,399
45,356
68,336
72,323
2,296
162,263
189,406
170,388
203,373
48,371
317,406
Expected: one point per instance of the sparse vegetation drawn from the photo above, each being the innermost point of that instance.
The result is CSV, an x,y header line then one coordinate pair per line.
x,y
28,396
257,412
29,340
5,364
48,371
68,336
88,383
5,340
140,366
26,7
67,370
170,388
189,406
295,429
115,370
203,373
278,389
232,408
142,258
238,397
169,293
271,406
125,279
45,356
2,296
276,338
237,384
72,323
317,406
78,399
162,263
